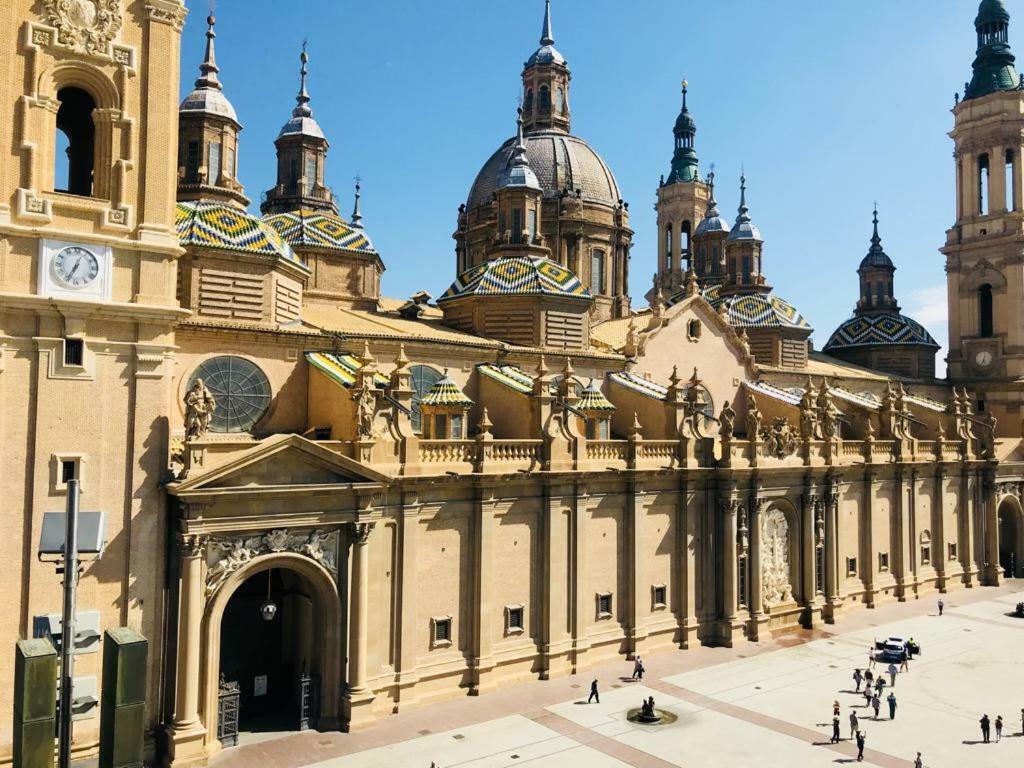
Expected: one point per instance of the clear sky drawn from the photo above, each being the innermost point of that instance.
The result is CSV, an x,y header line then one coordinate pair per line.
x,y
828,105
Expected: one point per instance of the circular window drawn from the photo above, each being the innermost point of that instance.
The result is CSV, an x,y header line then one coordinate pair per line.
x,y
240,388
423,380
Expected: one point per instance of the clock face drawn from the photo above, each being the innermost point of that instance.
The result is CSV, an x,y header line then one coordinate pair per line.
x,y
983,359
76,266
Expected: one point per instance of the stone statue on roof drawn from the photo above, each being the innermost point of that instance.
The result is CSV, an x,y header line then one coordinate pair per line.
x,y
199,407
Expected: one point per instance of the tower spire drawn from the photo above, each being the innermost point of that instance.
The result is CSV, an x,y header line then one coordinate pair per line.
x,y
209,69
876,275
684,157
546,36
994,63
302,99
357,217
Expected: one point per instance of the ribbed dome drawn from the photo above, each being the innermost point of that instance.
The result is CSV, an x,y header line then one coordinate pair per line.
x,y
559,160
517,276
750,310
991,10
546,54
210,102
879,329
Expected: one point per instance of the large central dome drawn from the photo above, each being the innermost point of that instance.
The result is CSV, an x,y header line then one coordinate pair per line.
x,y
560,161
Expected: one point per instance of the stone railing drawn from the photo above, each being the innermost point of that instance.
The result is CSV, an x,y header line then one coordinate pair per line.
x,y
883,449
657,453
607,450
448,451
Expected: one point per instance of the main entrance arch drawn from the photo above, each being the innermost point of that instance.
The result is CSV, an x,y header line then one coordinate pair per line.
x,y
266,658
1011,536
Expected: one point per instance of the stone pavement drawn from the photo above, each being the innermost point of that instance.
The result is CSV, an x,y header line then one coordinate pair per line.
x,y
766,704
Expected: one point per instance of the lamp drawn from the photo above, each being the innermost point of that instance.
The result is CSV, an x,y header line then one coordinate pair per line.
x,y
269,608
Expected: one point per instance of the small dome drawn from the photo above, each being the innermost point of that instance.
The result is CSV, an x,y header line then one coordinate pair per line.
x,y
208,101
877,329
319,229
302,125
517,276
991,11
712,221
546,54
208,224
744,228
560,161
685,122
446,393
592,399
758,310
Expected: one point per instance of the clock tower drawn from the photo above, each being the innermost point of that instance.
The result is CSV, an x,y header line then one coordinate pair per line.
x,y
984,249
88,258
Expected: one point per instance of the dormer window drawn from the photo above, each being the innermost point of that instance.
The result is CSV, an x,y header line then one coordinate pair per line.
x,y
598,428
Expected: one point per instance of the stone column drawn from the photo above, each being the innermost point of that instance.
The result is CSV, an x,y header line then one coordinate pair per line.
x,y
755,599
990,506
582,606
408,581
831,566
939,529
555,575
730,629
357,696
968,508
867,565
186,735
637,590
809,541
482,661
997,181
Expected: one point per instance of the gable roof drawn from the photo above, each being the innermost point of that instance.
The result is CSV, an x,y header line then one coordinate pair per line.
x,y
510,376
342,369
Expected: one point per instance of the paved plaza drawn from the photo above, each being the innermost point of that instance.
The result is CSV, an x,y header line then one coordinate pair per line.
x,y
767,704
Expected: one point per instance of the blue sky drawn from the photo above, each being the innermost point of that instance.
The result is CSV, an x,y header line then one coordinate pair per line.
x,y
829,106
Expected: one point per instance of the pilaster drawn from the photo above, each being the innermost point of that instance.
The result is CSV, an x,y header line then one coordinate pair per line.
x,y
482,661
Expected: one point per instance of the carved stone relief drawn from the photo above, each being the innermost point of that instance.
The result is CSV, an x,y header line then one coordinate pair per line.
x,y
780,439
775,559
85,26
227,555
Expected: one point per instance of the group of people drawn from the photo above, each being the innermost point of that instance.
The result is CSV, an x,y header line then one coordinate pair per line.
x,y
986,727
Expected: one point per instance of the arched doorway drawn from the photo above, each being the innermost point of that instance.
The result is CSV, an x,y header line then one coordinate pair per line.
x,y
1011,537
267,657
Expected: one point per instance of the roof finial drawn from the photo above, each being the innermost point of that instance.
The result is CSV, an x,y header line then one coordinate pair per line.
x,y
208,69
874,237
546,36
743,193
302,99
357,217
684,94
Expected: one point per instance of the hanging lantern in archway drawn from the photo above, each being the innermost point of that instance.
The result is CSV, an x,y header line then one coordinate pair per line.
x,y
269,608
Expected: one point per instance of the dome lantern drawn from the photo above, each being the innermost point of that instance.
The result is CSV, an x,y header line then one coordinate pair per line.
x,y
546,84
993,68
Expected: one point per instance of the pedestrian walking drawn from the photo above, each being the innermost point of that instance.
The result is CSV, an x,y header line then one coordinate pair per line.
x,y
876,704
941,606
854,724
858,678
867,695
594,696
835,709
891,698
905,665
999,728
871,658
985,728
640,673
892,674
880,685
637,666
862,737
869,677
918,762
835,730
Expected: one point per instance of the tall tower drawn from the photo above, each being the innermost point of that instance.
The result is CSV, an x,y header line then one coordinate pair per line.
x,y
301,157
89,253
682,201
546,84
985,272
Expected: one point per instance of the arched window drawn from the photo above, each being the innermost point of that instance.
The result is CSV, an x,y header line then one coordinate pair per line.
x,y
597,284
668,246
545,99
423,380
684,241
75,152
560,101
983,190
1010,183
240,388
985,310
528,104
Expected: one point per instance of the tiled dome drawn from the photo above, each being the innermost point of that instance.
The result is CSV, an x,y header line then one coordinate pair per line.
x,y
883,328
208,224
517,276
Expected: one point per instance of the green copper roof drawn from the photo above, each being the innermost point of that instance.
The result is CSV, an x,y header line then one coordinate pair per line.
x,y
993,64
684,158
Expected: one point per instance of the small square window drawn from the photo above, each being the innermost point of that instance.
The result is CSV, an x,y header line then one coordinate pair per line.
x,y
952,551
883,561
514,619
926,554
851,566
660,593
457,428
693,330
67,466
440,426
74,352
442,634
604,605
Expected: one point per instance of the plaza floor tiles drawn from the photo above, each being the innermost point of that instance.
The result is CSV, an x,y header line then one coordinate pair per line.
x,y
968,667
699,737
506,741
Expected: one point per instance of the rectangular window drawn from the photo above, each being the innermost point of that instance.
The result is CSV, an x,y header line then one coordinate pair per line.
x,y
983,178
457,428
741,582
293,173
214,164
602,429
851,566
926,554
517,225
442,630
597,284
74,352
440,426
592,429
229,163
514,615
531,218
192,163
952,551
604,605
310,173
660,595
883,561
746,268
68,470
67,466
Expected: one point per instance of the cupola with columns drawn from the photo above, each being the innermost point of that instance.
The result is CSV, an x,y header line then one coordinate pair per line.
x,y
743,251
208,131
546,84
709,239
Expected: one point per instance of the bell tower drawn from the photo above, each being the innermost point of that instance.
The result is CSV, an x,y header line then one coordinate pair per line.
x,y
984,267
546,84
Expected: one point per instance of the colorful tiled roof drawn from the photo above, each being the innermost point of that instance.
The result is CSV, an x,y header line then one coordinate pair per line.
x,y
639,384
446,393
341,369
319,229
517,276
884,328
592,399
209,224
511,376
760,310
789,395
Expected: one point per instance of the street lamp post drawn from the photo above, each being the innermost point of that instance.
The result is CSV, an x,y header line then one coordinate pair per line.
x,y
67,638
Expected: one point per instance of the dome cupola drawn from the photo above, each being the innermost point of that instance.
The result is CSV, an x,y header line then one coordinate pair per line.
x,y
993,68
744,228
546,84
684,158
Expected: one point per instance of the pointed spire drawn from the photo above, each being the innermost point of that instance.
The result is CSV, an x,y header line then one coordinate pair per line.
x,y
684,158
302,108
357,216
744,229
546,36
208,69
518,172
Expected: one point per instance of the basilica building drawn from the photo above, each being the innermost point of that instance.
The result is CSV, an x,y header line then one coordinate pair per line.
x,y
328,505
